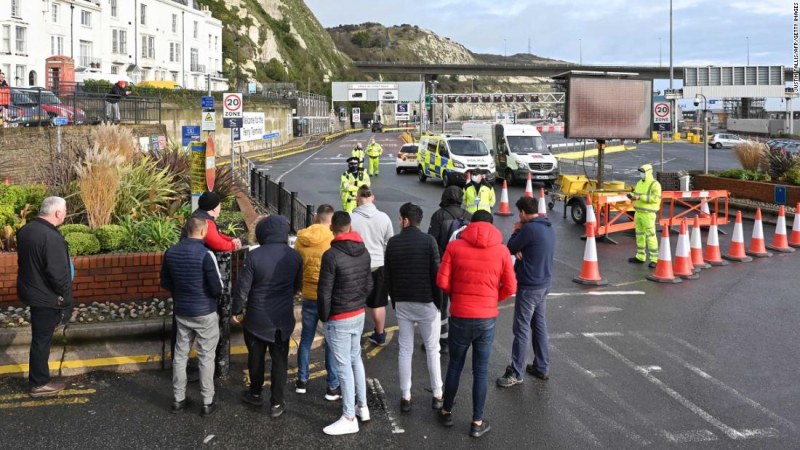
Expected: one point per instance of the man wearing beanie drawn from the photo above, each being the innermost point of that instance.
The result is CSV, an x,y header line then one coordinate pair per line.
x,y
208,209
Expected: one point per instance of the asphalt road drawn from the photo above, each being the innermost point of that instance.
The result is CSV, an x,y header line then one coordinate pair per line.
x,y
709,363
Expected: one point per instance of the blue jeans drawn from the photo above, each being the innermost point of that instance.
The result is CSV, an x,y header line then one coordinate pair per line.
x,y
530,311
310,319
344,337
478,333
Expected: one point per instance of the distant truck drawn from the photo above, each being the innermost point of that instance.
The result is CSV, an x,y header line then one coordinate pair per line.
x,y
517,151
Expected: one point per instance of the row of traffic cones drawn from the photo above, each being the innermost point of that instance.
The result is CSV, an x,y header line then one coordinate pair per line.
x,y
689,255
505,209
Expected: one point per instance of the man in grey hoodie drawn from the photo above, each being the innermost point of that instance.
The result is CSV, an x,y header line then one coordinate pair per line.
x,y
375,229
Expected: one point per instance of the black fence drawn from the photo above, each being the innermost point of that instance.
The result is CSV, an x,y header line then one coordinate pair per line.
x,y
277,200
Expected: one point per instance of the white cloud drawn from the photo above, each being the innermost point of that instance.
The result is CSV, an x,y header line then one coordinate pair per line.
x,y
768,7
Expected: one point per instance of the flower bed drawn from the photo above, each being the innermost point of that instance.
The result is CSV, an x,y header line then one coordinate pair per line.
x,y
753,190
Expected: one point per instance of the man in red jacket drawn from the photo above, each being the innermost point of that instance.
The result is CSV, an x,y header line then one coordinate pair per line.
x,y
477,273
208,207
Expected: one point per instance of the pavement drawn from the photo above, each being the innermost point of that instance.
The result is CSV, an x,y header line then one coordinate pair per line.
x,y
708,363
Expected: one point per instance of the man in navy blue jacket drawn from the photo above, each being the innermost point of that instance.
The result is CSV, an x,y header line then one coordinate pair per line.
x,y
189,271
533,244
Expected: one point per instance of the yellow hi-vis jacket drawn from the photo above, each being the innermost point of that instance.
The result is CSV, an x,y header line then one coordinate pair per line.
x,y
374,150
649,190
348,187
483,199
358,153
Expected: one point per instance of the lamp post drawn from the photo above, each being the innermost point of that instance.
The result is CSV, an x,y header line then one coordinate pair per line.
x,y
432,116
237,41
505,48
659,52
705,130
747,38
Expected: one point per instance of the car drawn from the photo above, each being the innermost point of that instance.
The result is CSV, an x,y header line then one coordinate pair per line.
x,y
54,107
792,147
720,140
377,127
406,158
23,111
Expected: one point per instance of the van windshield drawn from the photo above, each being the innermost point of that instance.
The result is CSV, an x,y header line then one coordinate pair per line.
x,y
467,147
527,144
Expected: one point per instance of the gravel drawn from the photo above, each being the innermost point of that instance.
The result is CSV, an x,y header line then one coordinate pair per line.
x,y
95,312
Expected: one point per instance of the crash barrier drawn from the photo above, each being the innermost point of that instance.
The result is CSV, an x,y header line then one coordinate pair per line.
x,y
700,203
574,146
277,200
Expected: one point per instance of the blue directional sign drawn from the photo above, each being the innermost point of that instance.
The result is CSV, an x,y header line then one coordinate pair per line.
x,y
207,102
272,135
60,121
190,133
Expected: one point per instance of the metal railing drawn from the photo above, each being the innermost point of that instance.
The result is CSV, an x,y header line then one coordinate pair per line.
x,y
81,107
277,200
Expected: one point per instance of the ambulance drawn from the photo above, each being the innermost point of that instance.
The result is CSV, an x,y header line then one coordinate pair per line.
x,y
447,158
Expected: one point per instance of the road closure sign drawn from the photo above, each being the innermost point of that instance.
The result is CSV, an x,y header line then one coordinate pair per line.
x,y
232,106
661,112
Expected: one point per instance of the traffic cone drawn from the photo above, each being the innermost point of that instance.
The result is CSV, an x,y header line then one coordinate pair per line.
x,y
736,251
696,246
704,208
712,254
794,239
529,187
663,271
757,246
779,241
590,271
542,211
683,260
504,209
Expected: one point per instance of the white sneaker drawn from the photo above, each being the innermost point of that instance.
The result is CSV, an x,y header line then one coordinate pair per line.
x,y
341,426
362,412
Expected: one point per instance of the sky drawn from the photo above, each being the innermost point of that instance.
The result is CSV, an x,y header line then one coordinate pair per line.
x,y
705,32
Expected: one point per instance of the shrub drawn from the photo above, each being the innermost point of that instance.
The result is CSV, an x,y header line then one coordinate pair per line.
x,y
99,177
145,191
115,139
18,195
231,223
177,161
73,228
778,162
82,244
151,235
744,174
111,237
223,183
793,175
750,155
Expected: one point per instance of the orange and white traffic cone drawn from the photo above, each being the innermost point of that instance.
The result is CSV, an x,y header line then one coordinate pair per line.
x,y
794,239
663,271
712,254
504,209
542,210
779,241
704,208
696,246
590,271
683,259
736,251
758,247
529,187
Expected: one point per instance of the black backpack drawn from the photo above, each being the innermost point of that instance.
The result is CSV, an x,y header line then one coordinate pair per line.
x,y
455,224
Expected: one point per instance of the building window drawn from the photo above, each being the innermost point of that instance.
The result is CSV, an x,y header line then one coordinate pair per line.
x,y
113,4
195,30
6,68
19,79
115,69
119,42
194,60
143,13
20,41
15,10
174,23
216,43
86,18
86,54
148,47
6,39
55,12
174,52
174,76
56,45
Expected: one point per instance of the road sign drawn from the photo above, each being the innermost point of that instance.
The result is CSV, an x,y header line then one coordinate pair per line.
x,y
428,100
235,122
60,121
272,135
232,106
209,121
356,115
401,111
662,127
780,195
207,102
661,112
154,142
251,87
189,133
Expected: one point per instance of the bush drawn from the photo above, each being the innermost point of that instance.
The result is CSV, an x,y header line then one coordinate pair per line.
x,y
111,237
74,228
793,176
145,191
750,155
744,174
16,196
779,162
82,244
100,175
151,235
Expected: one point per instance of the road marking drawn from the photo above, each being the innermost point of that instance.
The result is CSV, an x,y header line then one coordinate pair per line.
x,y
691,347
574,364
374,352
278,180
706,376
605,420
48,402
688,404
377,390
594,293
566,335
65,392
690,436
582,429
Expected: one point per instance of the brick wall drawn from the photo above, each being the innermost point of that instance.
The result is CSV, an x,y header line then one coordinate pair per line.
x,y
753,190
113,277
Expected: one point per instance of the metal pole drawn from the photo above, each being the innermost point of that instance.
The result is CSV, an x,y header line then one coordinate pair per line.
x,y
705,135
580,50
443,105
309,215
672,112
748,49
292,202
233,158
661,138
280,197
791,116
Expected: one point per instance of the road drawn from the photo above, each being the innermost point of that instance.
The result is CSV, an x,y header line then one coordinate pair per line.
x,y
709,363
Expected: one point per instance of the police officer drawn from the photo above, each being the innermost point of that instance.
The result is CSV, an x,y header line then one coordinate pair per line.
x,y
358,152
646,198
478,193
374,152
351,180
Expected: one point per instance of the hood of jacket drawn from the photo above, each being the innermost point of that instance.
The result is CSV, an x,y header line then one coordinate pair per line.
x,y
350,243
451,196
366,210
314,235
541,221
648,171
272,229
482,235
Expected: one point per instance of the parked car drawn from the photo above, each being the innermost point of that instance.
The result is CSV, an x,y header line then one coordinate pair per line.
x,y
720,140
789,147
53,106
377,127
406,158
24,112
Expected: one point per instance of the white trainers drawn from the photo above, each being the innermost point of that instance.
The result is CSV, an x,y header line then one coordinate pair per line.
x,y
341,426
362,412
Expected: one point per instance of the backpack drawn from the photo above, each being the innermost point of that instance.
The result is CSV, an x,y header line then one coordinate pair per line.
x,y
456,225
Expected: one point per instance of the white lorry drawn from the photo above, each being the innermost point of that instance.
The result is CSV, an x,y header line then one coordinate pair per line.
x,y
517,150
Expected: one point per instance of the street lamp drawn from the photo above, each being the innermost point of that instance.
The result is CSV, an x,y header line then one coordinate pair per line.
x,y
432,117
659,52
705,129
748,49
505,48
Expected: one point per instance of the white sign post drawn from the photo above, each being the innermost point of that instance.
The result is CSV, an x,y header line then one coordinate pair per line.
x,y
356,115
661,114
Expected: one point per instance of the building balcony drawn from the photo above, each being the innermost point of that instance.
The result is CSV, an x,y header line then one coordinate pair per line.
x,y
88,62
201,68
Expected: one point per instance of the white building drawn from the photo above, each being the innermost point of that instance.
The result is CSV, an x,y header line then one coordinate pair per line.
x,y
136,40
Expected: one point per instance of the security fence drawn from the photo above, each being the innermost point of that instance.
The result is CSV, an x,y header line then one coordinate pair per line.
x,y
277,200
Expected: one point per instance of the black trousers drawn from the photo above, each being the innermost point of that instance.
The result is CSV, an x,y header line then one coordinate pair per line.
x,y
278,353
43,324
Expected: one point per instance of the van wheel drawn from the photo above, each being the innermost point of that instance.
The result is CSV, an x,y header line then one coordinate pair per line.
x,y
421,174
509,176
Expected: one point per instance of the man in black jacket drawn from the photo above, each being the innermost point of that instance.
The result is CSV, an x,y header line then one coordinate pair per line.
x,y
112,101
344,282
189,271
442,220
44,283
410,269
268,281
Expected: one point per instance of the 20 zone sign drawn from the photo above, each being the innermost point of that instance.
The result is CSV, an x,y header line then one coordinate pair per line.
x,y
232,107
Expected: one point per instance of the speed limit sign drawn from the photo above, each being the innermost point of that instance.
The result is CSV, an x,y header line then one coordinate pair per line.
x,y
232,106
661,112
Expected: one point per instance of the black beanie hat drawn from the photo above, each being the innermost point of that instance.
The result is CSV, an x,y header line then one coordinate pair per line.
x,y
208,201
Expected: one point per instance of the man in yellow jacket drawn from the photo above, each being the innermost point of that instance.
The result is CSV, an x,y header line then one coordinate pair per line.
x,y
646,198
478,194
374,152
311,243
351,180
358,152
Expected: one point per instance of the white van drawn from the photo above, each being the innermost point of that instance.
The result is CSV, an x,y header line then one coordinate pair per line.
x,y
517,151
448,158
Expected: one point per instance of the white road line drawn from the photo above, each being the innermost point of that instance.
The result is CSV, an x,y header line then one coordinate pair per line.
x,y
690,436
566,335
688,404
691,347
377,390
594,293
580,428
703,374
278,180
607,421
574,364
